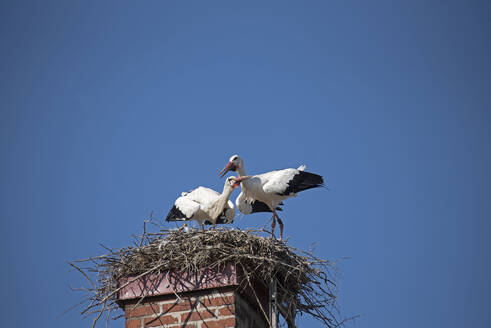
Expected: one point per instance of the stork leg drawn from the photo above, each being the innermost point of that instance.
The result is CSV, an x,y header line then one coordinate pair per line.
x,y
273,225
280,223
281,227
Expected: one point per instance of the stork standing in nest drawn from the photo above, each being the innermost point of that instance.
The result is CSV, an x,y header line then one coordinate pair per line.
x,y
271,188
205,205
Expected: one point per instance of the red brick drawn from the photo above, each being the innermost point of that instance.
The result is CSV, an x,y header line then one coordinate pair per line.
x,y
195,316
227,310
159,321
216,301
150,309
135,323
190,325
230,322
176,307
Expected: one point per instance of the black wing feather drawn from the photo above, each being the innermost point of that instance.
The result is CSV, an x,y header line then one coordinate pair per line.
x,y
175,215
258,207
303,181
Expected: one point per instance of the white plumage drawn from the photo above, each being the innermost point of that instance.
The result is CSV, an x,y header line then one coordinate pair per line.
x,y
267,191
205,205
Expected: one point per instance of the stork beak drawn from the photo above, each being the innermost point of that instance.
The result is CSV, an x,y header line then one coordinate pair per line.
x,y
227,168
238,180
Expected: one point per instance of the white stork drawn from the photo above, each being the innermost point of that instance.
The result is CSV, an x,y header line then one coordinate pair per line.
x,y
205,205
269,189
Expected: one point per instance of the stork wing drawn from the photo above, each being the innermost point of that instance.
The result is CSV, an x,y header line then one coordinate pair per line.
x,y
277,182
203,195
184,209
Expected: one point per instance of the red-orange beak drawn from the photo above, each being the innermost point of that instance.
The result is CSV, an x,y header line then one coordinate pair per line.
x,y
228,167
238,180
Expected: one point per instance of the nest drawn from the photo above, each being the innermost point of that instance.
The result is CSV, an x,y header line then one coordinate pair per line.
x,y
305,284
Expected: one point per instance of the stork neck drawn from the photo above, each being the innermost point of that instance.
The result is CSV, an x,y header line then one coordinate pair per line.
x,y
221,201
227,191
241,170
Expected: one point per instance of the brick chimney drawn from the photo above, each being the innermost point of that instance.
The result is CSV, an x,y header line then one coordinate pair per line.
x,y
212,298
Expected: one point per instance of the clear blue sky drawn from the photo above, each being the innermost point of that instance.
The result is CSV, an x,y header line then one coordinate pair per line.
x,y
109,109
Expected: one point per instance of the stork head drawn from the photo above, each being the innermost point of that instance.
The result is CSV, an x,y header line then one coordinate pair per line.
x,y
234,163
234,182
